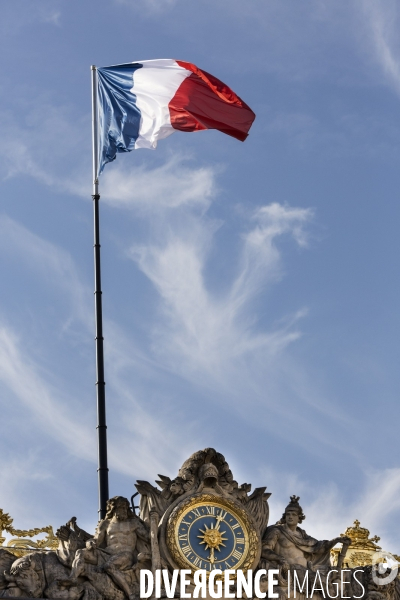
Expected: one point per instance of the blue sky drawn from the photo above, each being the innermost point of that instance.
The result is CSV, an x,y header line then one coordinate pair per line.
x,y
251,291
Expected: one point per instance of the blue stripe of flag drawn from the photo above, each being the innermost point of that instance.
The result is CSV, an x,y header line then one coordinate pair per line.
x,y
119,116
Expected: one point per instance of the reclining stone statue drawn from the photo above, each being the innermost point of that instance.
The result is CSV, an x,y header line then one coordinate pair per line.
x,y
105,566
121,541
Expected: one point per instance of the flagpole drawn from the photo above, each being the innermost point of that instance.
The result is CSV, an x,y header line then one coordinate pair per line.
x,y
100,383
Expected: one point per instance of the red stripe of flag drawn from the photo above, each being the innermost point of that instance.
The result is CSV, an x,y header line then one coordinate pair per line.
x,y
204,102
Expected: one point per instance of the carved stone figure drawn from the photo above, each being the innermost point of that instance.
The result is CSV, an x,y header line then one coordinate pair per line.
x,y
114,548
152,498
287,544
289,548
6,560
193,469
390,591
104,566
38,574
70,539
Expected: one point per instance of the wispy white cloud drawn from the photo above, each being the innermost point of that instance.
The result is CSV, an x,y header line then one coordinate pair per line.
x,y
18,15
52,16
261,258
171,185
329,511
211,338
383,23
381,502
45,396
20,374
37,393
152,7
51,263
294,41
24,147
19,474
203,330
138,425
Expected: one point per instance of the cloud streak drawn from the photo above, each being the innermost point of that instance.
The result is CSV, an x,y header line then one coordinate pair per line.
x,y
329,512
211,338
52,264
170,185
34,389
205,330
382,20
20,374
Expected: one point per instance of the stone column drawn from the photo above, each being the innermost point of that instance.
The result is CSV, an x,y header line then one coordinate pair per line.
x,y
155,549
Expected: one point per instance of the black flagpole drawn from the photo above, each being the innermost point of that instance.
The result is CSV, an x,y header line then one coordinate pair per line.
x,y
100,383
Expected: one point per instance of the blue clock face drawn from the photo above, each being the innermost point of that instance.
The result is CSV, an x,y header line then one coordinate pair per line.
x,y
210,536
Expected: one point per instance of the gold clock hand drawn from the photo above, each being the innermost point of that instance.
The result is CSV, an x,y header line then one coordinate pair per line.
x,y
219,519
211,557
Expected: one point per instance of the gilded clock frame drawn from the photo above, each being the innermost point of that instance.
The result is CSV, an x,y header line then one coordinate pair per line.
x,y
251,535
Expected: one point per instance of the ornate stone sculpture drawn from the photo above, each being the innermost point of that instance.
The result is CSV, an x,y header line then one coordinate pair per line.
x,y
118,549
205,469
287,545
6,560
201,519
104,566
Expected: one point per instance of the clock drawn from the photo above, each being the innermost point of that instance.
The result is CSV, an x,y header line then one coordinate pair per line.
x,y
211,532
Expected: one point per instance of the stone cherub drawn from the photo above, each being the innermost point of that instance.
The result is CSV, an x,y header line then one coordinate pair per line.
x,y
119,546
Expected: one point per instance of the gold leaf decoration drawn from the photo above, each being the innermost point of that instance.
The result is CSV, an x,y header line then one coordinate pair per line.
x,y
21,544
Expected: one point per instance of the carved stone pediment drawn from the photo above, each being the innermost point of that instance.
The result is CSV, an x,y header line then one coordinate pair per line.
x,y
205,470
200,519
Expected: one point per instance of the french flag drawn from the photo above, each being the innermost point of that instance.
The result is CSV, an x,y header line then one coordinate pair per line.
x,y
143,102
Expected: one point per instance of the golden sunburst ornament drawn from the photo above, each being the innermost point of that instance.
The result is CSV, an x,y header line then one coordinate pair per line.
x,y
212,538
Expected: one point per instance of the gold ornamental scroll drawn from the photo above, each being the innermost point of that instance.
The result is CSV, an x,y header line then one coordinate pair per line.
x,y
22,542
